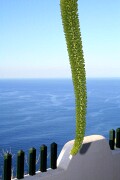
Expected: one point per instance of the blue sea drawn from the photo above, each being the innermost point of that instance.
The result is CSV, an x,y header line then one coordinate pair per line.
x,y
34,112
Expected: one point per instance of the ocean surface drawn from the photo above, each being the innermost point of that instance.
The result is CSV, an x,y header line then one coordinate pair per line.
x,y
34,112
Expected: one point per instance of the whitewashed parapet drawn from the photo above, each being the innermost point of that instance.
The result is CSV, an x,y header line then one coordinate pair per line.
x,y
94,161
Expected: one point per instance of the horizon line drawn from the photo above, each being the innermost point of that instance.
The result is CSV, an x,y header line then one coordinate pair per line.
x,y
22,78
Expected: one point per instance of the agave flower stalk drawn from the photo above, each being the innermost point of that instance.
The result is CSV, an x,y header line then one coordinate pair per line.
x,y
70,21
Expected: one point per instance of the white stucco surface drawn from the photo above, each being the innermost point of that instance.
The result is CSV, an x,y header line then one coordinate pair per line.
x,y
94,161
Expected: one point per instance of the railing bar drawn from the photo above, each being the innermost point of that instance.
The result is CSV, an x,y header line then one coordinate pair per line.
x,y
43,158
112,139
7,166
53,155
20,164
32,161
118,137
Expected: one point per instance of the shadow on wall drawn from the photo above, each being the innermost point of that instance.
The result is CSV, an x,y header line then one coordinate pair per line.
x,y
85,148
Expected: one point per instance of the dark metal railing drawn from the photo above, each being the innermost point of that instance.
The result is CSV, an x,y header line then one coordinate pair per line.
x,y
32,162
114,138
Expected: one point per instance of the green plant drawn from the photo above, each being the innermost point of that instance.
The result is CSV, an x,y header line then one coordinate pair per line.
x,y
70,21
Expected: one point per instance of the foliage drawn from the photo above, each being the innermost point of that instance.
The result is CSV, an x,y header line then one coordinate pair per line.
x,y
70,21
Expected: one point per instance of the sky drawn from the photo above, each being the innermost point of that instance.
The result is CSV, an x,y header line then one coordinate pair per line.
x,y
32,42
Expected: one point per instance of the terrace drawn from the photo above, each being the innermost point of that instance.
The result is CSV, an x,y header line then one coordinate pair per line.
x,y
96,160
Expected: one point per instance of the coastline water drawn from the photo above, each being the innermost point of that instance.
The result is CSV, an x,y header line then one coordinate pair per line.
x,y
41,111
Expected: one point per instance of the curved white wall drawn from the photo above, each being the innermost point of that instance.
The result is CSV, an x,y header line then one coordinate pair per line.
x,y
94,161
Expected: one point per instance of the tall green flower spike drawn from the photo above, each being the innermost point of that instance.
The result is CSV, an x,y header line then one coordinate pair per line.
x,y
70,21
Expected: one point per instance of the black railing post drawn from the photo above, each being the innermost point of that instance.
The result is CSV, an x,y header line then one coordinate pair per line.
x,y
112,139
53,155
43,158
118,137
32,161
7,166
20,164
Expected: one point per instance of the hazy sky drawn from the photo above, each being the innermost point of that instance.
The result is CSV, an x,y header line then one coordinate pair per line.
x,y
32,42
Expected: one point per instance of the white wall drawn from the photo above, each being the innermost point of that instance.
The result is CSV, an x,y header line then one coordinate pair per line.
x,y
94,161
